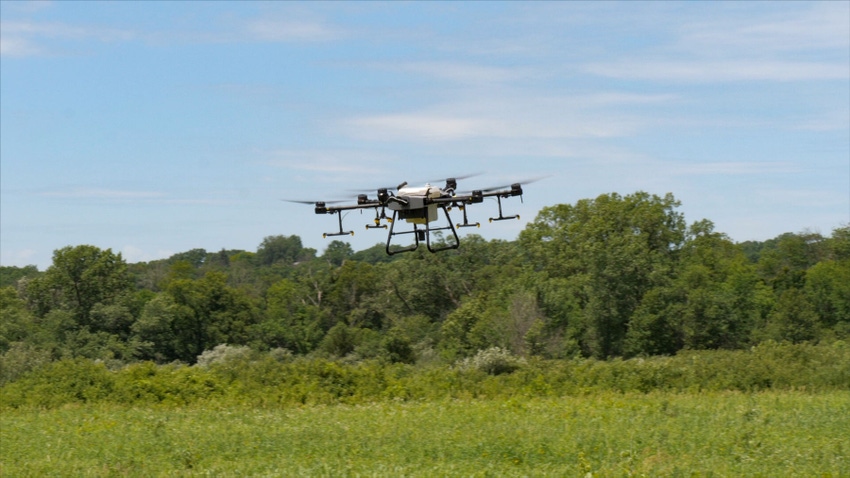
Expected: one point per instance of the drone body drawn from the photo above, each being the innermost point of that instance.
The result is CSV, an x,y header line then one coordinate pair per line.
x,y
420,206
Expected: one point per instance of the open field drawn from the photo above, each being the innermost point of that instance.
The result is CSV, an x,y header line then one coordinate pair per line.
x,y
772,433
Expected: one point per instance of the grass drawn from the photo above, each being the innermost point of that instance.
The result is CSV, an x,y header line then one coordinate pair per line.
x,y
773,433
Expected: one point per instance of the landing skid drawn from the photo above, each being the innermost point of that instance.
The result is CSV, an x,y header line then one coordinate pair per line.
x,y
422,235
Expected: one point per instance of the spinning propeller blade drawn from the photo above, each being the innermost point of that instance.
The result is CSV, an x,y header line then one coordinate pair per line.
x,y
522,182
311,202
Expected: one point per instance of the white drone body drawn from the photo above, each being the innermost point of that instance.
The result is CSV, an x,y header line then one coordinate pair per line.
x,y
420,206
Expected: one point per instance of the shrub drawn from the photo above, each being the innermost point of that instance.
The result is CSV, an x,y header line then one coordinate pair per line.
x,y
492,361
20,359
62,382
224,353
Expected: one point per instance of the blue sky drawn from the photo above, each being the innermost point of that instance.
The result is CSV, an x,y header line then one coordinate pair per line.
x,y
153,128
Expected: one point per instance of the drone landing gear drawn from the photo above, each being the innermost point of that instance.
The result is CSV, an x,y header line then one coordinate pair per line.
x,y
422,235
501,216
341,232
466,222
378,217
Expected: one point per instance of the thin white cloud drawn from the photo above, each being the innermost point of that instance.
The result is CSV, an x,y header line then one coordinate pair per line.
x,y
514,114
22,38
460,72
731,168
95,193
802,198
31,38
290,30
805,42
18,47
824,25
65,31
835,120
336,162
419,126
723,70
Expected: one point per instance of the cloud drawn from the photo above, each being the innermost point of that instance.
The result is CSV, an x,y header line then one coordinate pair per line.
x,y
22,38
336,162
804,42
16,46
289,30
30,38
732,168
460,72
96,193
723,70
514,114
823,25
419,126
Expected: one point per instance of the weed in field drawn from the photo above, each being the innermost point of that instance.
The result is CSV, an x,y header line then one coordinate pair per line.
x,y
725,434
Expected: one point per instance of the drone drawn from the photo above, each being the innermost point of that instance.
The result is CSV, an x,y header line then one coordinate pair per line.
x,y
420,206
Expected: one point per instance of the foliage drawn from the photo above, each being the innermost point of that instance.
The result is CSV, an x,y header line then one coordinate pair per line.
x,y
11,276
660,434
224,353
605,278
493,361
238,375
609,252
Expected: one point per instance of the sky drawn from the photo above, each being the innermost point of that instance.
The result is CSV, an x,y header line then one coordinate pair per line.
x,y
152,128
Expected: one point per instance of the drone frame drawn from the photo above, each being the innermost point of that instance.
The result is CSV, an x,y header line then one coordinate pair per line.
x,y
421,211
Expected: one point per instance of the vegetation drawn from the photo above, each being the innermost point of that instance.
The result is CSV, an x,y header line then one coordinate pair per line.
x,y
659,434
610,338
604,278
230,376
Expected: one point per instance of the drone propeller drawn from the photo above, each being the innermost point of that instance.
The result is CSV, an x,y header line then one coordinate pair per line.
x,y
311,202
522,182
467,176
405,183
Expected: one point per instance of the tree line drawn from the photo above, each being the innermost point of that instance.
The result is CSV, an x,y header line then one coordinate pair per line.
x,y
613,276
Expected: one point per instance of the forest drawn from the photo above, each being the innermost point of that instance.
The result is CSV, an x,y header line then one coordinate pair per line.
x,y
609,278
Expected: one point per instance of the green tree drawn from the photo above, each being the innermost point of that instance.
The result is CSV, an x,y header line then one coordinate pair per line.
x,y
80,278
828,289
350,287
156,331
611,250
464,331
17,324
274,249
839,243
195,257
794,319
374,254
10,275
341,340
290,320
207,313
337,252
783,265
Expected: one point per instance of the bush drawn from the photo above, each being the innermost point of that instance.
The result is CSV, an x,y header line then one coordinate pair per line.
x,y
224,353
492,361
233,375
59,383
20,359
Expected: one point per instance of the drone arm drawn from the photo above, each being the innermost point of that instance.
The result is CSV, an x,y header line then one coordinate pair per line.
x,y
478,196
323,208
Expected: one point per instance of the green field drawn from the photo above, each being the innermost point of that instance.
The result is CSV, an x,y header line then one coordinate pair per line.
x,y
773,433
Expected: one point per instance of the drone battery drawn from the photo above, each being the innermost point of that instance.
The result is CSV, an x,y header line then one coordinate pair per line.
x,y
419,216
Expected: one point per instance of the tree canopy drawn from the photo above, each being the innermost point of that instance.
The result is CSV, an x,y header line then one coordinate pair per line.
x,y
612,276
